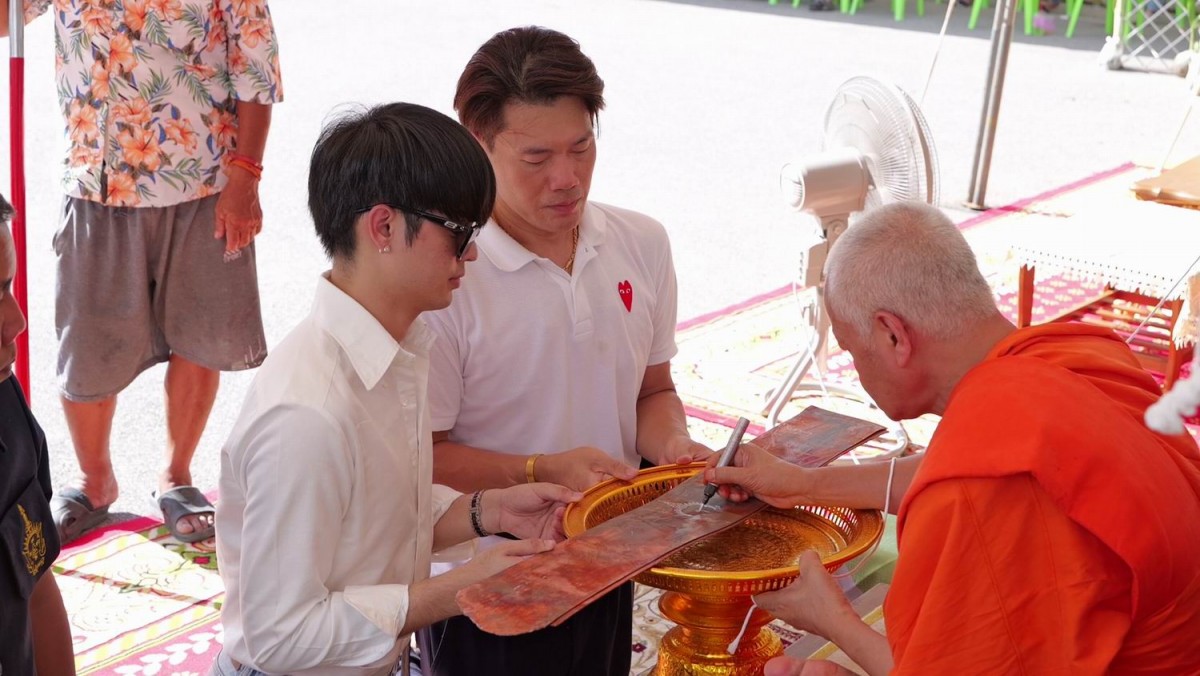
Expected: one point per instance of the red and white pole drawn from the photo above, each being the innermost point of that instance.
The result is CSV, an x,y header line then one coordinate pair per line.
x,y
16,129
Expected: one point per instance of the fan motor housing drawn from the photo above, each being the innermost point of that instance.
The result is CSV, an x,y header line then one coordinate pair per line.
x,y
833,182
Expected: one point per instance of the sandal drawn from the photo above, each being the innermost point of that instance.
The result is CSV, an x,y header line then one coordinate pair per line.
x,y
184,501
74,514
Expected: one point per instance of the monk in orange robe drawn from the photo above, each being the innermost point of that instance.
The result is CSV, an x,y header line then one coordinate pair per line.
x,y
1045,529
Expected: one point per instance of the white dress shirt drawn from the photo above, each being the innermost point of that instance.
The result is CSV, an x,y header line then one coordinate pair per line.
x,y
327,501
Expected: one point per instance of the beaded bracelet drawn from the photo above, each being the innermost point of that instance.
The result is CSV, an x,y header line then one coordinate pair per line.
x,y
477,514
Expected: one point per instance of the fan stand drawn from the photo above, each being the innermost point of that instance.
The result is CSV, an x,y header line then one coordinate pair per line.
x,y
815,356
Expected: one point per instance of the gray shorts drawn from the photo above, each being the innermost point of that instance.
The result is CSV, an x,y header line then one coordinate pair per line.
x,y
137,285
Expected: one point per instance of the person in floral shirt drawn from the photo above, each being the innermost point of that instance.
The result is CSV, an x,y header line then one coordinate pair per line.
x,y
167,104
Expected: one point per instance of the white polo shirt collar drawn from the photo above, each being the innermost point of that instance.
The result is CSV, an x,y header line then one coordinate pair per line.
x,y
369,347
508,255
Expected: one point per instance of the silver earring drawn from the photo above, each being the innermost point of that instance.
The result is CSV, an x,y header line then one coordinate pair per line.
x,y
386,249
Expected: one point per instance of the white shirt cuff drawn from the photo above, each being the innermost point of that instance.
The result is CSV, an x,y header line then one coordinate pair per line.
x,y
384,605
442,498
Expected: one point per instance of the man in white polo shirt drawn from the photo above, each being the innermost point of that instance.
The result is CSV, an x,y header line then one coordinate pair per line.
x,y
553,363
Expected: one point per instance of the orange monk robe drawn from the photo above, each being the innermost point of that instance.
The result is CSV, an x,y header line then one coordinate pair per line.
x,y
1048,530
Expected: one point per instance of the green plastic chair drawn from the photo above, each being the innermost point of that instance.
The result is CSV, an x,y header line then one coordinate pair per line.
x,y
852,7
898,8
1074,7
1029,7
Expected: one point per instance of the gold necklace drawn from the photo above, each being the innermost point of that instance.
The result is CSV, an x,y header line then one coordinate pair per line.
x,y
570,266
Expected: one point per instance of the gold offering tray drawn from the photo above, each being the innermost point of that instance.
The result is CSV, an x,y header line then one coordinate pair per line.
x,y
757,555
709,581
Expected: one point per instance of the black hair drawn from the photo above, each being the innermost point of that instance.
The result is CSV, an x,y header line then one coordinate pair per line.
x,y
532,65
400,154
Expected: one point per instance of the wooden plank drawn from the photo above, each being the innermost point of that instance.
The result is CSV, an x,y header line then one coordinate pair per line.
x,y
1081,307
1132,317
549,588
1025,289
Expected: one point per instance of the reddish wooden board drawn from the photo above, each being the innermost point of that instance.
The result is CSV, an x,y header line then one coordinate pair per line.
x,y
547,589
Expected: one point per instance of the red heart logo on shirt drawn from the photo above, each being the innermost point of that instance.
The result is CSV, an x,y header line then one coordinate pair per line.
x,y
625,289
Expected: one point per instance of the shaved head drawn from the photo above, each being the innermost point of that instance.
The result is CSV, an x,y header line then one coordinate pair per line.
x,y
908,259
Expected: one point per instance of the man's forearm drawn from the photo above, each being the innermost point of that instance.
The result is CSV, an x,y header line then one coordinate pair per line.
x,y
433,599
660,419
861,486
254,122
455,525
868,648
467,469
52,646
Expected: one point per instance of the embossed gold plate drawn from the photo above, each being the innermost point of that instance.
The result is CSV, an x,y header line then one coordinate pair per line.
x,y
759,554
709,582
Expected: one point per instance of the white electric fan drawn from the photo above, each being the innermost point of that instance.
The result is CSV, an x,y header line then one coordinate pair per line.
x,y
877,149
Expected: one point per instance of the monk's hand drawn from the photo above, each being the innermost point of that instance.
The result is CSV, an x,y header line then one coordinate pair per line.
x,y
581,468
498,558
683,450
791,666
528,511
238,214
813,603
755,473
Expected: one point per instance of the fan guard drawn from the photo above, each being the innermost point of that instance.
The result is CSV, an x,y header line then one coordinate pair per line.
x,y
885,125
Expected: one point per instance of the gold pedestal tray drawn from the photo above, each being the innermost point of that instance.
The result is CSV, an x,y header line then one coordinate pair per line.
x,y
709,583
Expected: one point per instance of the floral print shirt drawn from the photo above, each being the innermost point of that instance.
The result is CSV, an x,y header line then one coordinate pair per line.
x,y
149,92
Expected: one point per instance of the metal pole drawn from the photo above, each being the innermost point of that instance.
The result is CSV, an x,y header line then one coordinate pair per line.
x,y
16,130
1002,32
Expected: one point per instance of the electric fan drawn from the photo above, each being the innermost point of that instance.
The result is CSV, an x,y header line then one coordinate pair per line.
x,y
877,149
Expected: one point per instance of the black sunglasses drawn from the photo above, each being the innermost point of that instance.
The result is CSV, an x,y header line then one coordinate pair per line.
x,y
463,234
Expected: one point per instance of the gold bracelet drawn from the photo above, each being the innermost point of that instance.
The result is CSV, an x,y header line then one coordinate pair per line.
x,y
529,477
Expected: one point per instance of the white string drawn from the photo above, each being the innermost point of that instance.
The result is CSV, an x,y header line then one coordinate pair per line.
x,y
733,645
938,50
887,504
1187,271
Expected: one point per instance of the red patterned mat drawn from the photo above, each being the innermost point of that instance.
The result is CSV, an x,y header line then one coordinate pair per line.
x,y
140,602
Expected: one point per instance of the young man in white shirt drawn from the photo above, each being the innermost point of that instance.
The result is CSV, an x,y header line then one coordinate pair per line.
x,y
328,513
553,364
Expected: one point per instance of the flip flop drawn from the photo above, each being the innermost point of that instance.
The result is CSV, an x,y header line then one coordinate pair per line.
x,y
183,501
74,514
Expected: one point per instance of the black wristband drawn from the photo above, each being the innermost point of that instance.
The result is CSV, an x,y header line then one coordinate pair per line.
x,y
477,515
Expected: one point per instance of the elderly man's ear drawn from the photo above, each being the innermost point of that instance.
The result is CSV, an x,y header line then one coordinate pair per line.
x,y
893,337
